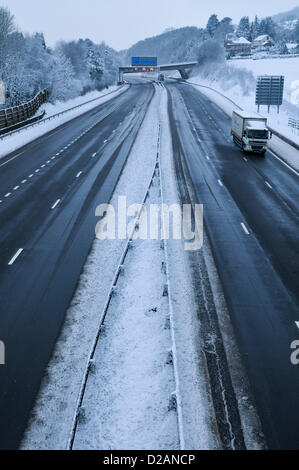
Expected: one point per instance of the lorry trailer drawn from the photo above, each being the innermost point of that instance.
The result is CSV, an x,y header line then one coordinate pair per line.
x,y
250,132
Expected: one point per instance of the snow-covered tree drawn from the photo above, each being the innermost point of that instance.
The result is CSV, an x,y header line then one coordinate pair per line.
x,y
267,26
212,25
255,28
296,32
7,25
243,29
225,27
62,78
210,52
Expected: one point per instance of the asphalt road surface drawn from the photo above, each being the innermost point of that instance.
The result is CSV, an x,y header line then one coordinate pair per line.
x,y
49,192
251,217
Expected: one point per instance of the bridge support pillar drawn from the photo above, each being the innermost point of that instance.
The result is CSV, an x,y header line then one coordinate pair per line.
x,y
184,74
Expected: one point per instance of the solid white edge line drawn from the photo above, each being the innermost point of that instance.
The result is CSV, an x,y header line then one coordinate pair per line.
x,y
13,259
245,228
11,159
284,163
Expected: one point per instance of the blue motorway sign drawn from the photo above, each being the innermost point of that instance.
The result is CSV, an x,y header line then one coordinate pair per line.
x,y
144,61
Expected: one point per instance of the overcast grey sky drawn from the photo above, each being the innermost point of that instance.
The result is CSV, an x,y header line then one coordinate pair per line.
x,y
120,23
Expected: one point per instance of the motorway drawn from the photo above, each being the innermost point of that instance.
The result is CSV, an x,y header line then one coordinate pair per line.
x,y
49,192
251,217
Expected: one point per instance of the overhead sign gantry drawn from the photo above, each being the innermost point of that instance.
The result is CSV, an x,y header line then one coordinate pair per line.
x,y
150,65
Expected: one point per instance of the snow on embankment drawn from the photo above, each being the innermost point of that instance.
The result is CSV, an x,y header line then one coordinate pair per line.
x,y
230,88
290,69
11,143
236,80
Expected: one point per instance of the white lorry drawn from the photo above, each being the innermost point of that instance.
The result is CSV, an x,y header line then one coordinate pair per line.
x,y
250,132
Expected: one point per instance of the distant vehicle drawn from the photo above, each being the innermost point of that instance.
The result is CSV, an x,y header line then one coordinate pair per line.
x,y
250,132
161,77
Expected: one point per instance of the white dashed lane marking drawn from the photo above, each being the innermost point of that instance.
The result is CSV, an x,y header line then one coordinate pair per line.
x,y
13,259
53,158
56,204
268,184
245,228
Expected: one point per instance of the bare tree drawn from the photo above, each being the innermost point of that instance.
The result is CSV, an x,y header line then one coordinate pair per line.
x,y
7,24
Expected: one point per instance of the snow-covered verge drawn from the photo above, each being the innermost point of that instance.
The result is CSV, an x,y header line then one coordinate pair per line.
x,y
233,82
59,106
290,69
11,143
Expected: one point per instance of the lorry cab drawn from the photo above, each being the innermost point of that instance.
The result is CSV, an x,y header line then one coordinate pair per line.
x,y
250,132
256,138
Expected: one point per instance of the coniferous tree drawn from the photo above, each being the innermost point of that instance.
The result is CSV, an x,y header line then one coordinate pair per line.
x,y
212,25
243,29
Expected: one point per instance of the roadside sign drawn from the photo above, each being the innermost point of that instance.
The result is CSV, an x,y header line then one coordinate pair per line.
x,y
269,91
144,61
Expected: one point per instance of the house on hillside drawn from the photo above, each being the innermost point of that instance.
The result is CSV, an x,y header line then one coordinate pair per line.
x,y
263,41
237,46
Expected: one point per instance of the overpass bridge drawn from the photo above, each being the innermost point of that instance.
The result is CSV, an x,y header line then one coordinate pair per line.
x,y
181,67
